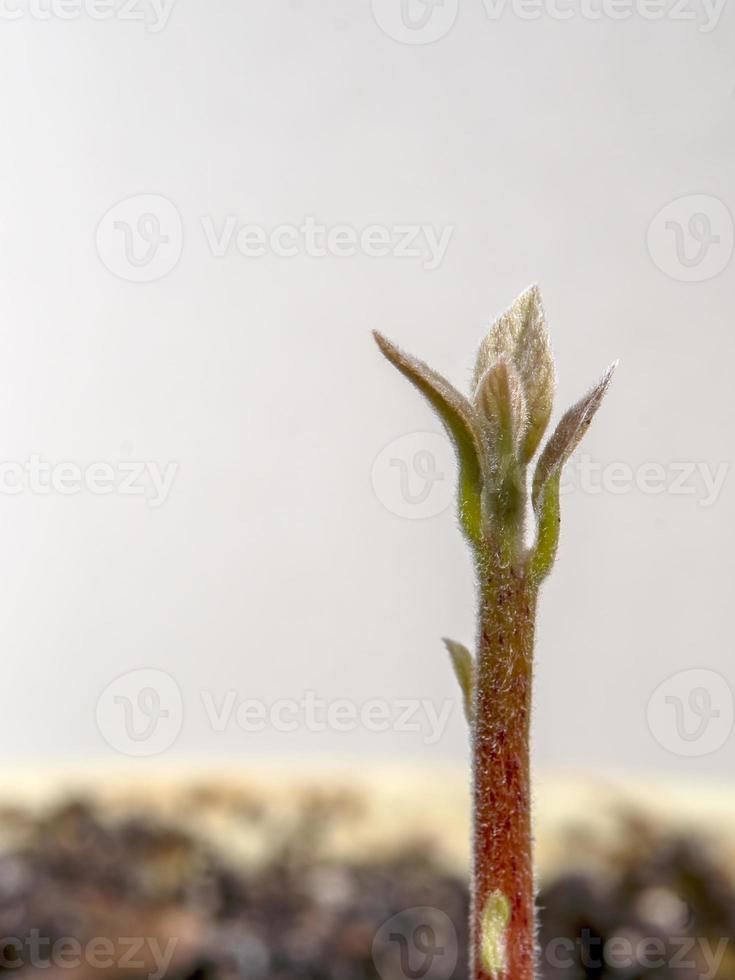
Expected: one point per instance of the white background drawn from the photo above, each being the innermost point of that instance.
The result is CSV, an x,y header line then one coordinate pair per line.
x,y
273,568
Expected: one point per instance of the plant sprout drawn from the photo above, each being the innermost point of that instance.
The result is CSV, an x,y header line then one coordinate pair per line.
x,y
497,433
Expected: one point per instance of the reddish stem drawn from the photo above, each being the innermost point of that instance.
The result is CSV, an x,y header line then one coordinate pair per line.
x,y
502,854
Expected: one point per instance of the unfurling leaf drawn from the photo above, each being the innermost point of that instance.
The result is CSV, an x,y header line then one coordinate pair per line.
x,y
547,478
520,335
464,669
459,418
565,439
501,407
495,919
547,530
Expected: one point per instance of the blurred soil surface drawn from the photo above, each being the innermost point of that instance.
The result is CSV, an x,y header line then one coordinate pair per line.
x,y
86,888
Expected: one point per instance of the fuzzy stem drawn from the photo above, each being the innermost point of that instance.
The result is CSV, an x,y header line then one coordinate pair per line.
x,y
502,849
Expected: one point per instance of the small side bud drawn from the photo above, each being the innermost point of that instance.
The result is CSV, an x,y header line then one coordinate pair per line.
x,y
495,920
464,669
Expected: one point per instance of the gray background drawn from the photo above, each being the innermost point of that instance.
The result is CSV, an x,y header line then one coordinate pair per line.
x,y
273,568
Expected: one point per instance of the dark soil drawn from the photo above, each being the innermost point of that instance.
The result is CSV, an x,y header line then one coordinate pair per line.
x,y
300,915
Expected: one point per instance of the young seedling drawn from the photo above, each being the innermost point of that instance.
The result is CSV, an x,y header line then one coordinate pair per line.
x,y
497,433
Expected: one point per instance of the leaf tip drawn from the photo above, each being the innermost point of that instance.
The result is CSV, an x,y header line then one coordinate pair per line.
x,y
383,343
600,389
